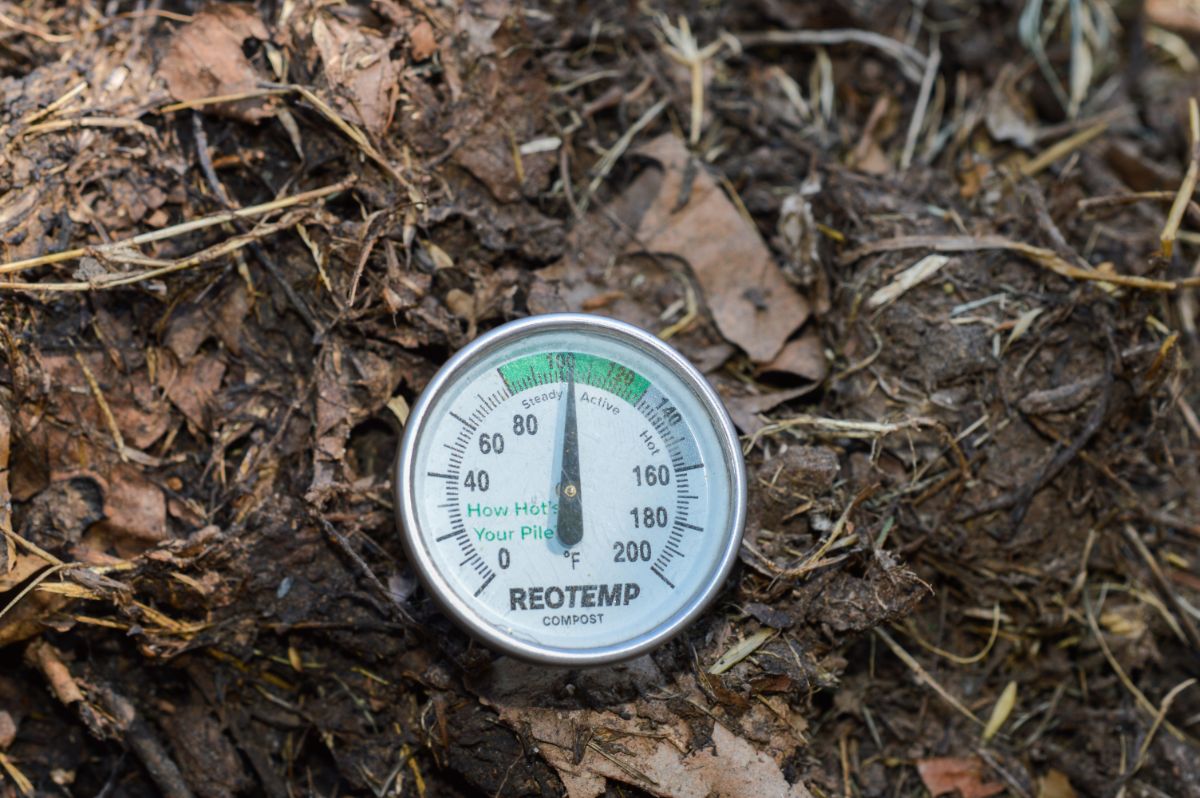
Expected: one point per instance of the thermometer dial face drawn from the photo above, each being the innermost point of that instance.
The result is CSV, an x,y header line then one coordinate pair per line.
x,y
571,489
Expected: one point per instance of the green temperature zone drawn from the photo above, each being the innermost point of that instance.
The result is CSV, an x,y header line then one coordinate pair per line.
x,y
548,368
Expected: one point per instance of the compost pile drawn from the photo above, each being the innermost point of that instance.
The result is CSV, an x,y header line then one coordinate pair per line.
x,y
940,259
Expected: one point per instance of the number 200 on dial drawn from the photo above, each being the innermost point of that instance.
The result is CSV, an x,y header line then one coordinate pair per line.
x,y
571,489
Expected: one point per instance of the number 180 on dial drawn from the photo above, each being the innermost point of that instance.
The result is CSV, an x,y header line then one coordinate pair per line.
x,y
571,490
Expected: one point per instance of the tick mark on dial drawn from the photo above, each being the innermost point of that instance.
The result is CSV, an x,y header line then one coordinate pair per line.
x,y
486,582
658,573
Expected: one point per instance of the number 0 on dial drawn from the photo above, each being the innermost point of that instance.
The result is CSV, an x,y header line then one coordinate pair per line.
x,y
571,489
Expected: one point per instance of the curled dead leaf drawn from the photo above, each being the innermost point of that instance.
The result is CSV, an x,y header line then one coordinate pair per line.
x,y
730,766
944,775
135,511
363,78
206,59
803,357
423,42
691,218
191,388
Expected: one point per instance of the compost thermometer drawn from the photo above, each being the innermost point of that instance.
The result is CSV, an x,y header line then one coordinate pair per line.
x,y
570,489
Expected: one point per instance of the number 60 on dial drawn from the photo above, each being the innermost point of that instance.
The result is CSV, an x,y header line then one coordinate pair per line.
x,y
571,490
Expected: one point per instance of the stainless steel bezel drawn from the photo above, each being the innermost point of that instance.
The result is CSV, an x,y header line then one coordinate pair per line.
x,y
461,611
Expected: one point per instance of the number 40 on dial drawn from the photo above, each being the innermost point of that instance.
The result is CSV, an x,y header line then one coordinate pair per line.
x,y
571,490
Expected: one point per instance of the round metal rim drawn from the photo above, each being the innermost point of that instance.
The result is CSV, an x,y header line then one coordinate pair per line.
x,y
458,609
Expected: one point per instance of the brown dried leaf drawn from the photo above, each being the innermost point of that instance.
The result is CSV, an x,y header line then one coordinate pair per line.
x,y
668,748
868,155
25,619
479,23
804,357
422,41
8,550
751,302
1007,113
186,331
362,77
194,323
745,408
135,511
332,417
730,766
1181,16
20,568
192,387
1055,784
507,111
206,59
947,774
58,675
141,416
207,758
8,730
351,386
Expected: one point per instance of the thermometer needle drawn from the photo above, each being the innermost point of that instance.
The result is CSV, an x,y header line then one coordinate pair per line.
x,y
570,507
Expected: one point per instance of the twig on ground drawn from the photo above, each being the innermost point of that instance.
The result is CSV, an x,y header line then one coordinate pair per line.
x,y
1040,255
1168,699
918,117
1187,188
1090,203
914,275
912,62
682,47
814,560
1168,594
1139,696
32,585
8,554
141,738
840,428
1061,149
1018,500
13,772
161,267
614,153
105,410
123,246
222,99
911,629
351,131
46,36
343,545
92,121
218,188
924,676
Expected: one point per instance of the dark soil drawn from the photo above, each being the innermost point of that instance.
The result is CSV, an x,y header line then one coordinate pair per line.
x,y
972,558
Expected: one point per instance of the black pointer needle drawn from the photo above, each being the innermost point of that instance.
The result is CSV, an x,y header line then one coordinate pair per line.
x,y
570,493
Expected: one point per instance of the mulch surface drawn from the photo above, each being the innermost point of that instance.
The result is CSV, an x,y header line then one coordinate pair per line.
x,y
939,259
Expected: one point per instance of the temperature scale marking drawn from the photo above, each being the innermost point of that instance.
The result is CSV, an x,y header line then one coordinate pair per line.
x,y
565,471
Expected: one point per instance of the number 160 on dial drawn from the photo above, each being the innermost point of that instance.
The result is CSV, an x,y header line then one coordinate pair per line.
x,y
571,489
